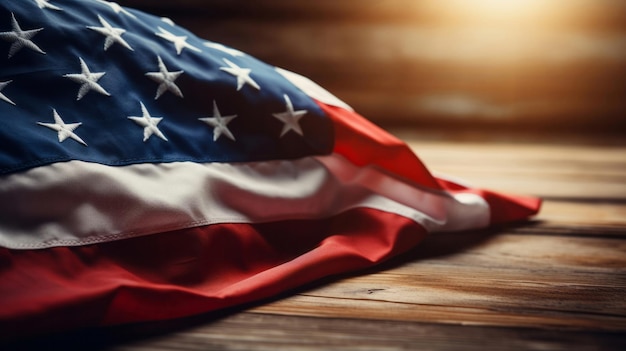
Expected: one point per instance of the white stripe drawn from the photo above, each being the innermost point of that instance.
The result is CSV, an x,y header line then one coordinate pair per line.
x,y
312,89
77,203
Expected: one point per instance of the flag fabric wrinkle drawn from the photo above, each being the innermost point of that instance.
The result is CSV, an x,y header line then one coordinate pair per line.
x,y
149,174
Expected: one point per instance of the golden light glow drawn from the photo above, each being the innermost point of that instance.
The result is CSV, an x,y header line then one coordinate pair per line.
x,y
505,33
500,12
508,8
515,59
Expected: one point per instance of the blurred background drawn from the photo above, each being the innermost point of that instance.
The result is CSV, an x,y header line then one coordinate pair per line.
x,y
511,68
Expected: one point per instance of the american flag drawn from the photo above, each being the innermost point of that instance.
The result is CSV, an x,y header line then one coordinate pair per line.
x,y
146,174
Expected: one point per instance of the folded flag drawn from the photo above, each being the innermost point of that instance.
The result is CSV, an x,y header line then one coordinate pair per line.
x,y
147,174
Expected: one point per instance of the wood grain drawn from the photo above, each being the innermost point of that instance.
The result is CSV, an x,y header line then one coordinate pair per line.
x,y
505,280
251,331
571,173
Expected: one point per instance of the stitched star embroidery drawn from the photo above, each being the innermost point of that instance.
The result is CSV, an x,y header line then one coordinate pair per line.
x,y
117,8
242,74
220,47
113,35
290,117
45,4
219,123
165,79
63,130
148,123
2,96
20,38
87,80
180,42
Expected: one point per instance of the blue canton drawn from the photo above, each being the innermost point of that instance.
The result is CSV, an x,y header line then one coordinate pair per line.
x,y
93,81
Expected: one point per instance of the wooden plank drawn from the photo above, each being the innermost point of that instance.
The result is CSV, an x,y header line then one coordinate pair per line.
x,y
333,307
604,218
249,331
588,173
583,258
504,280
254,331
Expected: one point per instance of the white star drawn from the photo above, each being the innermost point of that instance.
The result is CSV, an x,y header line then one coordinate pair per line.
x,y
2,96
44,4
220,47
219,123
168,21
64,130
113,35
165,79
88,80
290,117
242,74
117,8
20,38
180,42
148,123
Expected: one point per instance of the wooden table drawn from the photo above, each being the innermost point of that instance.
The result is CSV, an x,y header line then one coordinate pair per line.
x,y
557,282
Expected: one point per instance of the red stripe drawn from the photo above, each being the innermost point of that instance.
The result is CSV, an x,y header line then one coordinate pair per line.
x,y
188,271
503,207
365,144
506,208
